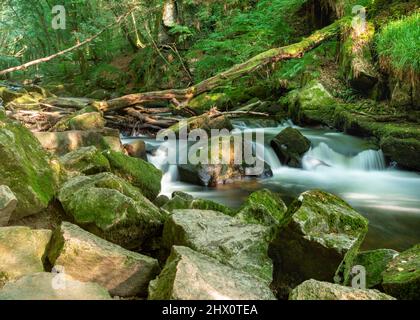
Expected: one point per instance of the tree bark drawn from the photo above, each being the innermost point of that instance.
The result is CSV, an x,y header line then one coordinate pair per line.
x,y
182,96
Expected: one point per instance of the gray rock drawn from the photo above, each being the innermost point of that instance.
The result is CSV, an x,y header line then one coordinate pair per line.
x,y
8,203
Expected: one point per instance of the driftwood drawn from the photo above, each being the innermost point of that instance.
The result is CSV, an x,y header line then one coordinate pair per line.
x,y
180,97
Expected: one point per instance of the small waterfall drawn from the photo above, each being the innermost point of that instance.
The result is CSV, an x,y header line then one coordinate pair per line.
x,y
323,155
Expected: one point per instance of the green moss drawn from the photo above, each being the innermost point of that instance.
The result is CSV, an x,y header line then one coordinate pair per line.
x,y
87,160
138,172
109,77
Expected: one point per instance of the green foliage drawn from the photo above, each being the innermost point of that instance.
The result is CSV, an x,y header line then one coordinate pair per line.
x,y
399,42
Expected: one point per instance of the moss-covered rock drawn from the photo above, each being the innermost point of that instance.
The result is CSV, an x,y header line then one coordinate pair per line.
x,y
204,122
88,258
401,278
61,143
374,262
263,207
8,203
87,160
232,242
25,169
290,145
52,286
87,121
190,275
138,172
405,152
319,242
111,208
22,251
204,102
319,290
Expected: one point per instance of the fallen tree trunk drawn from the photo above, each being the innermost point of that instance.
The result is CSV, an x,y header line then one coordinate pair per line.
x,y
180,96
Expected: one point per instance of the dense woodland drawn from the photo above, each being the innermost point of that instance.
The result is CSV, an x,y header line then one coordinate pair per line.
x,y
83,192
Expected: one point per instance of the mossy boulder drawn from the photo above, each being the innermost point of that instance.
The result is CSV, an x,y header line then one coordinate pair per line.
x,y
263,207
24,168
88,258
319,242
61,143
138,172
311,105
405,151
87,160
375,262
319,290
87,121
113,209
22,251
204,122
8,203
401,278
190,275
232,242
206,101
52,286
290,145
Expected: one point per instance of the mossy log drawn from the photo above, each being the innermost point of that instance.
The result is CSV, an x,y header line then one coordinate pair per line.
x,y
180,96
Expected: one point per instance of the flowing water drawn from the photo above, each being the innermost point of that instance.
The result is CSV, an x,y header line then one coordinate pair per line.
x,y
347,166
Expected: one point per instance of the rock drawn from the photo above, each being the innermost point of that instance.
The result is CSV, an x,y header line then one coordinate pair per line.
x,y
375,262
263,207
290,146
87,121
22,251
61,143
8,203
138,172
319,242
86,160
189,275
161,200
203,122
401,278
136,149
181,200
8,95
25,169
232,242
319,290
405,151
204,102
88,258
50,286
111,208
311,105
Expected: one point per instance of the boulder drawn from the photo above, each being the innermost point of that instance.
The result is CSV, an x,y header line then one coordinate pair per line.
x,y
374,262
88,258
204,122
61,143
405,151
24,168
50,286
319,241
190,275
401,278
111,208
263,207
138,172
290,146
136,149
22,251
8,203
87,121
232,242
319,290
86,160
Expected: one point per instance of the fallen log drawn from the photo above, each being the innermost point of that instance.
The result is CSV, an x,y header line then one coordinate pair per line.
x,y
182,96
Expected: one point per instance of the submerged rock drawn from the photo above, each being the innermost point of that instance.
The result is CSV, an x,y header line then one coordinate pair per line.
x,y
61,143
50,286
290,146
138,172
401,278
263,207
190,275
111,208
22,251
231,241
318,290
25,169
87,160
374,262
319,242
88,258
8,203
